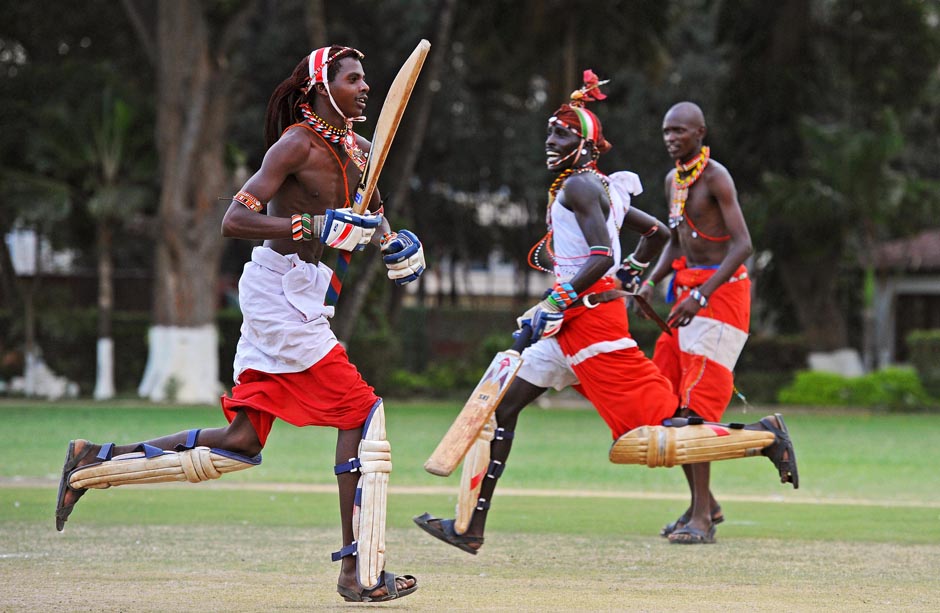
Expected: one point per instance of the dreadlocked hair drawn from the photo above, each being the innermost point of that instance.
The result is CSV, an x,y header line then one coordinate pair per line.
x,y
282,106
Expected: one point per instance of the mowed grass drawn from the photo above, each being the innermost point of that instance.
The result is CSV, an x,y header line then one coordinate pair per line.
x,y
569,530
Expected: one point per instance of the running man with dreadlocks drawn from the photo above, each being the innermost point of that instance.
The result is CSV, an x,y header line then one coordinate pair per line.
x,y
581,330
289,364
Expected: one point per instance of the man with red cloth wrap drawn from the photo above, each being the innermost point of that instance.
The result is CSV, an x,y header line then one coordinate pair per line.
x,y
581,331
708,244
289,364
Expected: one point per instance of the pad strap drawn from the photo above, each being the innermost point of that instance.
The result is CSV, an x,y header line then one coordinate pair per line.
x,y
504,435
349,550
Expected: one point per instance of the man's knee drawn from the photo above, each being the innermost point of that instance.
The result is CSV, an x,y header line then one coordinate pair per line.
x,y
240,437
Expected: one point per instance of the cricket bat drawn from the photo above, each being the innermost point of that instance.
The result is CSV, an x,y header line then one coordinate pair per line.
x,y
385,127
479,408
395,102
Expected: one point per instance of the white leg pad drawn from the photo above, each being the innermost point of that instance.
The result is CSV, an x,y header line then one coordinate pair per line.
x,y
375,456
475,466
668,446
193,465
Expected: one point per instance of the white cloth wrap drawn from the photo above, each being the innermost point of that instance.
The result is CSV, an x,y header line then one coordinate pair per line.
x,y
570,247
286,327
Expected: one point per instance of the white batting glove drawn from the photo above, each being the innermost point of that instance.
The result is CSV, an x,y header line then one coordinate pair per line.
x,y
347,230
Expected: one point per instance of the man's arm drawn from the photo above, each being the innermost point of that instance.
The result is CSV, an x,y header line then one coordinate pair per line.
x,y
583,197
285,157
721,187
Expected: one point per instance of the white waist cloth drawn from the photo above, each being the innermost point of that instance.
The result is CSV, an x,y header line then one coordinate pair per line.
x,y
285,327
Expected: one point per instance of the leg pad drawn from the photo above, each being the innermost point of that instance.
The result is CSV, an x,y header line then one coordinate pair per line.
x,y
668,446
476,465
193,465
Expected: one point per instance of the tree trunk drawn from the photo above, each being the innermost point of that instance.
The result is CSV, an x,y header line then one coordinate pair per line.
x,y
817,309
104,380
193,87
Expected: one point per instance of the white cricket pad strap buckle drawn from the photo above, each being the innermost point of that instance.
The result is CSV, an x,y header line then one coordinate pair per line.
x,y
374,465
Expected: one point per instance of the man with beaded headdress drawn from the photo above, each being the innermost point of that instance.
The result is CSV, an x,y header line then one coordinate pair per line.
x,y
289,364
581,333
708,245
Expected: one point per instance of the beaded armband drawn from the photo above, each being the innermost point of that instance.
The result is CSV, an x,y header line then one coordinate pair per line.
x,y
248,200
649,282
301,227
602,250
700,298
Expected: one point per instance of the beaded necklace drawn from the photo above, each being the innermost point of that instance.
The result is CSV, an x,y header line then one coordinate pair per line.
x,y
681,184
545,242
335,135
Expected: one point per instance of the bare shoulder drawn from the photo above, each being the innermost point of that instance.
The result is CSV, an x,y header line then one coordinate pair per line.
x,y
716,171
582,190
291,150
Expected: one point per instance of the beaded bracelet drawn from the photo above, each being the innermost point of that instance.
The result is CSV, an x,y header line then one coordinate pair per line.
x,y
563,295
248,200
650,282
301,227
699,298
635,264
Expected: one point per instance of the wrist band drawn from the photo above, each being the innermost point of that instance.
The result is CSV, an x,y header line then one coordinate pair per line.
x,y
563,295
635,264
699,298
301,227
248,200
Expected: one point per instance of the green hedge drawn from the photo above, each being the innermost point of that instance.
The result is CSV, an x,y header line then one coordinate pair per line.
x,y
924,351
891,388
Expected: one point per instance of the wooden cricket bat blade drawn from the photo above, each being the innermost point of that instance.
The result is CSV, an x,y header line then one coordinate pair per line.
x,y
387,124
475,413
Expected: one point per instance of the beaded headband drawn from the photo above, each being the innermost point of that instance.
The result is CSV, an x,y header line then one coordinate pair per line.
x,y
320,60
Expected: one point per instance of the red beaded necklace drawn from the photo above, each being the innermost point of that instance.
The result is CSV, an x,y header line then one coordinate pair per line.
x,y
335,135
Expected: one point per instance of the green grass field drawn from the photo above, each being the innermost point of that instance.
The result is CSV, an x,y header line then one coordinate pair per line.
x,y
569,531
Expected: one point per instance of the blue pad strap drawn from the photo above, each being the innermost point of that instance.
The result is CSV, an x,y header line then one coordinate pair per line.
x,y
256,460
495,469
351,466
482,504
349,550
191,437
149,450
106,451
504,435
